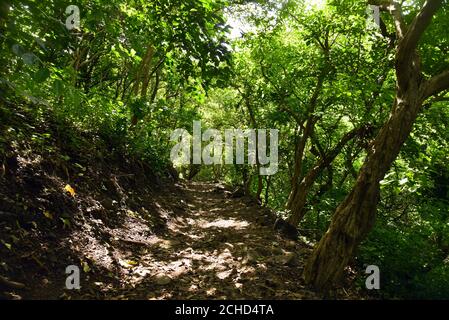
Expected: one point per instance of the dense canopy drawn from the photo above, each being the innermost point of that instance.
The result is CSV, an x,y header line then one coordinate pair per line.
x,y
357,91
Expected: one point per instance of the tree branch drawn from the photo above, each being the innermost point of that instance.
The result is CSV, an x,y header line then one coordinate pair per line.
x,y
292,114
395,9
437,84
414,33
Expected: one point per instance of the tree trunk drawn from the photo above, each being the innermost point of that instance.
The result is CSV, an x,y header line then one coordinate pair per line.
x,y
267,191
253,122
146,68
298,202
307,133
299,157
355,217
142,73
142,78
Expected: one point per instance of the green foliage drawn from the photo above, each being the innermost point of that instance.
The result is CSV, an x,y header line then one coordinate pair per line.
x,y
139,69
86,77
412,266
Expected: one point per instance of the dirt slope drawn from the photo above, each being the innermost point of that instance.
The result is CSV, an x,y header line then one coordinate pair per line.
x,y
68,198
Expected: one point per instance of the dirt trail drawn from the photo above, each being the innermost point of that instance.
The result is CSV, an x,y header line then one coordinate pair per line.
x,y
135,235
215,247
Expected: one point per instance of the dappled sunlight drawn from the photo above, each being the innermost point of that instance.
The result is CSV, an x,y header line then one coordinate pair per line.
x,y
24,162
224,149
200,255
226,224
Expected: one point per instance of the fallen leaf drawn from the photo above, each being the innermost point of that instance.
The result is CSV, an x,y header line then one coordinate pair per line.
x,y
127,263
70,190
48,215
86,267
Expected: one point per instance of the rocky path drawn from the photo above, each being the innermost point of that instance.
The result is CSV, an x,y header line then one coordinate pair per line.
x,y
215,247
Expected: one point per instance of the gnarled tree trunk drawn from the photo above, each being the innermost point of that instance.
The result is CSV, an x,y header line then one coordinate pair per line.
x,y
298,203
355,216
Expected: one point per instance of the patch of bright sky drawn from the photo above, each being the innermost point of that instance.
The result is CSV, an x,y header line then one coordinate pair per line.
x,y
239,25
237,20
315,4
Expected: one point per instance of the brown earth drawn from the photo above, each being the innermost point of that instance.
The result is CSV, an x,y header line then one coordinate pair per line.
x,y
75,200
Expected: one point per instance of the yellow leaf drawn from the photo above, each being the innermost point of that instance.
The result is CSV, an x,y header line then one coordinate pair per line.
x,y
132,263
48,215
127,263
86,267
70,190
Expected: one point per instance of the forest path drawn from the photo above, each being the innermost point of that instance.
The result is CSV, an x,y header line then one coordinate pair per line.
x,y
215,247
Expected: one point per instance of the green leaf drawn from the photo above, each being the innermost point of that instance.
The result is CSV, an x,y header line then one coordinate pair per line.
x,y
41,75
29,58
58,87
7,245
66,223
